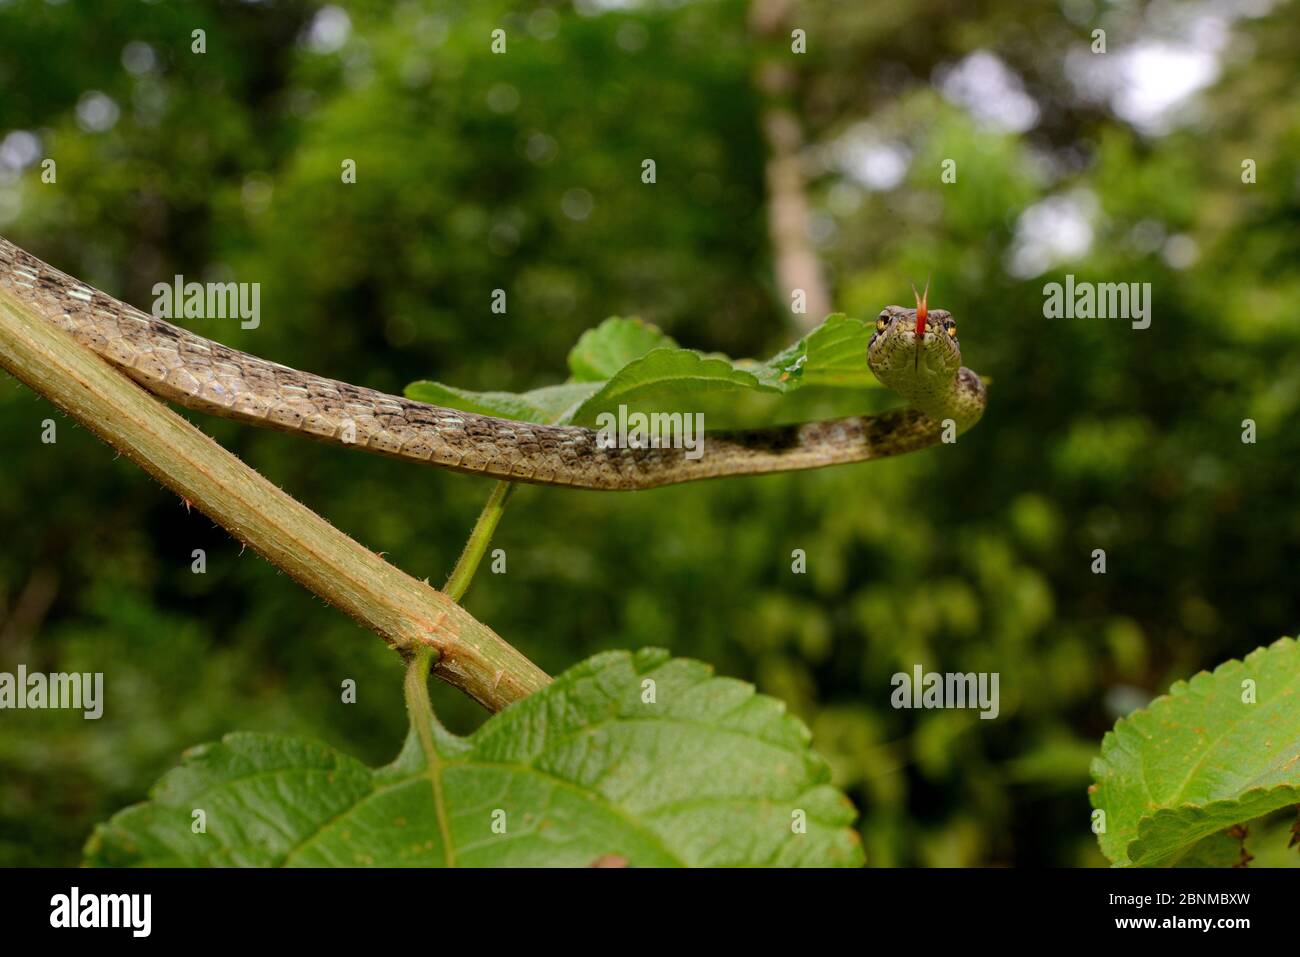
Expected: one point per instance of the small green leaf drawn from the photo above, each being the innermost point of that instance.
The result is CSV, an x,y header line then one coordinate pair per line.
x,y
1202,759
603,351
549,405
833,355
639,758
668,380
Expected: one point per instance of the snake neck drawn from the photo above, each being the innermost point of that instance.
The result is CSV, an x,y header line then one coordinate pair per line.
x,y
961,399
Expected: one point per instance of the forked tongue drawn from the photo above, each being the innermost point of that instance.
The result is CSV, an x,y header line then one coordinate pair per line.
x,y
921,313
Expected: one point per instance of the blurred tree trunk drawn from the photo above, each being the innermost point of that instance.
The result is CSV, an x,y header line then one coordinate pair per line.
x,y
796,263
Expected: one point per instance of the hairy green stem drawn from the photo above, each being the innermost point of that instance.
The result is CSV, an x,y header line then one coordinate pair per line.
x,y
407,613
461,576
418,706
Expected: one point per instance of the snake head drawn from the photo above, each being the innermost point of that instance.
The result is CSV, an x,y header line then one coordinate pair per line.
x,y
915,351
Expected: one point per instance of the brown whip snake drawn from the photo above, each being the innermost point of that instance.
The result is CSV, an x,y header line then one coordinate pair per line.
x,y
198,373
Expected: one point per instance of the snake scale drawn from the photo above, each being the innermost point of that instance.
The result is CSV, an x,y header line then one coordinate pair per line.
x,y
913,351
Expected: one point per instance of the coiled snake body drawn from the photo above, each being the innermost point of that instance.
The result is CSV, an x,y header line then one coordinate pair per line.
x,y
919,360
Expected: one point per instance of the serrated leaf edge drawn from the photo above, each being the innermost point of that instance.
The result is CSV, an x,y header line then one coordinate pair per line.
x,y
1135,722
399,772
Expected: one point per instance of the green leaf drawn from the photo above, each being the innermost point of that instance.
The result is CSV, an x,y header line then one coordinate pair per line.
x,y
603,351
668,380
833,355
628,362
1220,849
1201,759
552,404
707,773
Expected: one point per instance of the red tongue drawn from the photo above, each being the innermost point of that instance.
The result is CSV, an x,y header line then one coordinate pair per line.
x,y
921,311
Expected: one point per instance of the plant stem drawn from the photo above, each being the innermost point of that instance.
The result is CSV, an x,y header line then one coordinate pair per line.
x,y
461,576
418,706
406,613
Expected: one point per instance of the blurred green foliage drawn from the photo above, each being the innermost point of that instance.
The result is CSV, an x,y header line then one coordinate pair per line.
x,y
478,171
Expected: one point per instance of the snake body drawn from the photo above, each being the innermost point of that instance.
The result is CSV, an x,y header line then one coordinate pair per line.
x,y
200,374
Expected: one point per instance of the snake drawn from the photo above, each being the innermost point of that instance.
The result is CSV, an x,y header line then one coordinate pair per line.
x,y
913,351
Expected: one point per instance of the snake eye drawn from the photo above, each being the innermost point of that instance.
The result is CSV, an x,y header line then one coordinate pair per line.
x,y
951,327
